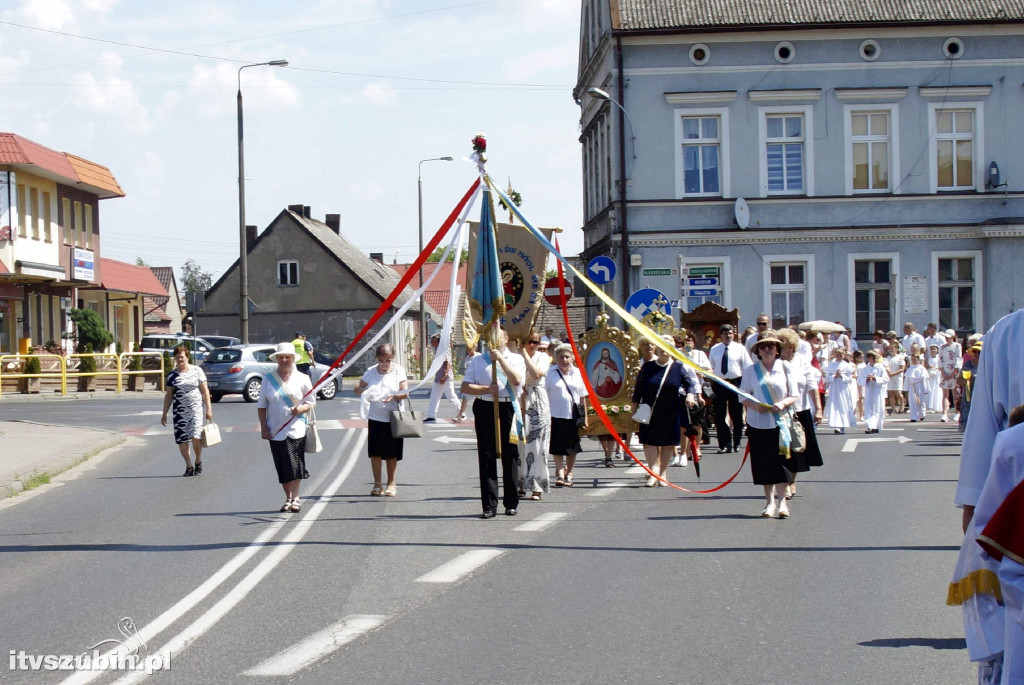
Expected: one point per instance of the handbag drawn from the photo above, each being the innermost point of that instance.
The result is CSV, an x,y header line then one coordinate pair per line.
x,y
211,435
406,424
797,435
577,407
644,411
313,442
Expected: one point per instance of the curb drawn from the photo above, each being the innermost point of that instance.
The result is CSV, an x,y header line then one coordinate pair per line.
x,y
14,486
100,395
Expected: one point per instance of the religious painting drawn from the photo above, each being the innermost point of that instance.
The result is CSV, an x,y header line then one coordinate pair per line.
x,y
611,363
605,369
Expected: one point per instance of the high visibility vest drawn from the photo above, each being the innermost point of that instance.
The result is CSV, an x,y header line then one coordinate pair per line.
x,y
300,351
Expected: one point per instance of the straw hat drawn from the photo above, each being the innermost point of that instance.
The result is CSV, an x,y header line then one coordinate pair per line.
x,y
767,336
282,348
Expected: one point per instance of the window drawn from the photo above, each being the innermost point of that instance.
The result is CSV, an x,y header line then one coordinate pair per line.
x,y
22,219
33,212
957,283
47,218
69,228
788,288
701,152
956,146
873,296
87,227
786,154
288,272
77,231
869,151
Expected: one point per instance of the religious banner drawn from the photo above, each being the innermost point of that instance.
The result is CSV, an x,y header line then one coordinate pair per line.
x,y
522,261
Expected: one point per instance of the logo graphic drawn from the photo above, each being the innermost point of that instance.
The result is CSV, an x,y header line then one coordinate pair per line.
x,y
121,655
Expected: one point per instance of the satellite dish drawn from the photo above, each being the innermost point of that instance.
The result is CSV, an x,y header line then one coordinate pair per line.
x,y
742,213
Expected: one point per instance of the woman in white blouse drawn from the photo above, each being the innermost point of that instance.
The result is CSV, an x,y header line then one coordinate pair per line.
x,y
382,388
565,386
806,410
775,385
533,452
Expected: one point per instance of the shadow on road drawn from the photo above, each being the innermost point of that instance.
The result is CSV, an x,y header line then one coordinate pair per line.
x,y
933,642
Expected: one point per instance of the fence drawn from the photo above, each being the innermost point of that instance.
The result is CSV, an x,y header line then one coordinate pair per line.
x,y
55,367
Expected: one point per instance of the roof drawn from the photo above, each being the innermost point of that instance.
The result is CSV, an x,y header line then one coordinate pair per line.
x,y
661,15
437,296
154,311
129,278
58,166
164,274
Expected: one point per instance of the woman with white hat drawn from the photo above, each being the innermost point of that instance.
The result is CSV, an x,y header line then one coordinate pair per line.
x,y
283,410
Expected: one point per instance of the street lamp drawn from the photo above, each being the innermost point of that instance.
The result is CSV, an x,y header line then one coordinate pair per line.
x,y
423,310
243,267
623,223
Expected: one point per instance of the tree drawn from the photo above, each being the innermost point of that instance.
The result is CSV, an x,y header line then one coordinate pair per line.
x,y
139,261
194,279
92,332
437,254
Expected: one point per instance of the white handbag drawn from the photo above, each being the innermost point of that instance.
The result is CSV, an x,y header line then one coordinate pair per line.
x,y
211,435
313,442
643,412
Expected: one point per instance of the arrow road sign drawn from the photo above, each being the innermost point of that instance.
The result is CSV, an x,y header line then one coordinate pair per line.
x,y
644,301
601,269
445,440
851,444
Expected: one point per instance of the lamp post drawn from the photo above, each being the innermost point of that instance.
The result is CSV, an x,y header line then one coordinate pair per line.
x,y
243,268
623,223
423,310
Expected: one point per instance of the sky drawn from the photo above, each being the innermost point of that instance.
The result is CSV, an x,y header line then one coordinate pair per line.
x,y
148,89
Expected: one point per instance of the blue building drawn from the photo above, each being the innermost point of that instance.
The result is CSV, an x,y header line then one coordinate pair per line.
x,y
853,160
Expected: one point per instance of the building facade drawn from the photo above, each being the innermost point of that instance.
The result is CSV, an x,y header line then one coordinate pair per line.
x,y
846,161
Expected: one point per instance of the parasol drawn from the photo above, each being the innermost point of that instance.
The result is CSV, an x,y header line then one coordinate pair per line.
x,y
695,453
821,326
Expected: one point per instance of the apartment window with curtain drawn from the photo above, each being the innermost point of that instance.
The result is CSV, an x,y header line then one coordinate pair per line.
x,y
87,227
69,226
33,212
79,233
870,151
788,284
784,153
873,296
701,150
955,159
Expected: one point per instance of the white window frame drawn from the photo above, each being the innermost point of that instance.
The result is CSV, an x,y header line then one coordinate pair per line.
x,y
725,274
897,301
979,292
723,149
297,273
979,145
807,261
893,141
808,142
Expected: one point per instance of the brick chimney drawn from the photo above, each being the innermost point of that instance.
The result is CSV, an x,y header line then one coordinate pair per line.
x,y
295,208
305,211
333,222
250,236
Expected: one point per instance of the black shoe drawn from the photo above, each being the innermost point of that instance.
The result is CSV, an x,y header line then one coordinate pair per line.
x,y
509,512
488,515
428,420
189,471
735,448
723,450
199,467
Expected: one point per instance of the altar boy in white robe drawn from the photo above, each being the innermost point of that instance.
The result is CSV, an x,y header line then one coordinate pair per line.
x,y
842,393
915,382
874,378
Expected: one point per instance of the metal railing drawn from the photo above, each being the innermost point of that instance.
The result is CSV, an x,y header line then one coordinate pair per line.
x,y
108,364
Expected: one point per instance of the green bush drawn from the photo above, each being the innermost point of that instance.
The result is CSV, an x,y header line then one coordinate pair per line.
x,y
135,363
92,332
88,363
32,365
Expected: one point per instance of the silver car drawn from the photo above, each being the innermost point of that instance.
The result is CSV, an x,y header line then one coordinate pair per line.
x,y
240,369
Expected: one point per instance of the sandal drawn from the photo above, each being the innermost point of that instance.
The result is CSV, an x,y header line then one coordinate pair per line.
x,y
199,467
378,490
568,480
391,491
287,506
609,464
189,472
559,480
296,506
535,497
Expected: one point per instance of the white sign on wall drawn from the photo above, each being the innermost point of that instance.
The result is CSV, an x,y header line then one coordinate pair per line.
x,y
82,267
915,294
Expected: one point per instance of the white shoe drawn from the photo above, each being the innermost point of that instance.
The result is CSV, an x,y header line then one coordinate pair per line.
x,y
769,511
783,510
956,417
674,462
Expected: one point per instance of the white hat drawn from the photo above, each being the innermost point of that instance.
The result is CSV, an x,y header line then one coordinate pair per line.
x,y
283,348
950,333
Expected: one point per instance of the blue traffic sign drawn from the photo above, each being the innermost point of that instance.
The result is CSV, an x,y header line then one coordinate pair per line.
x,y
644,301
601,269
706,292
711,280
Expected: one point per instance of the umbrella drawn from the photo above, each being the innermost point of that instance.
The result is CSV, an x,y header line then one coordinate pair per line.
x,y
821,326
695,452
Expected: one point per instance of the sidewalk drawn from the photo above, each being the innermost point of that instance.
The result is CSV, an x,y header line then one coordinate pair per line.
x,y
31,450
97,395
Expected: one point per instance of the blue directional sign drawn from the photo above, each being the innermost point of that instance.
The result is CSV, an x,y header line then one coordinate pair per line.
x,y
706,292
601,269
699,282
644,301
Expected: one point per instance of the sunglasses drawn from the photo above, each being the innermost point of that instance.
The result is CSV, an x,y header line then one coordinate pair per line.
x,y
533,342
762,323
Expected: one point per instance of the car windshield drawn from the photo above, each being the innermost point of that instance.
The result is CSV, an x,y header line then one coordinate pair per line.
x,y
224,356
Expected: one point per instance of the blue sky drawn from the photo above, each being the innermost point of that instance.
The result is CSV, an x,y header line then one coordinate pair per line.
x,y
372,87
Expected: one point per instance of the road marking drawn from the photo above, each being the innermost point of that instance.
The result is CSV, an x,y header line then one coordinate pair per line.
x,y
317,646
460,566
157,430
851,443
207,620
635,471
445,440
603,489
541,522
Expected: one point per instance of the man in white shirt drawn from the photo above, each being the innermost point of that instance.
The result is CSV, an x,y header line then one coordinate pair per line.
x,y
479,381
912,337
729,360
762,325
933,337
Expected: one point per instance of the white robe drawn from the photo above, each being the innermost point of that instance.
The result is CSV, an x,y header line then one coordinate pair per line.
x,y
917,392
842,398
874,394
934,402
999,387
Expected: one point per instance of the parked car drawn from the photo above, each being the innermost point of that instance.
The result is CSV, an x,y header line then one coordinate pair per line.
x,y
221,340
240,369
166,343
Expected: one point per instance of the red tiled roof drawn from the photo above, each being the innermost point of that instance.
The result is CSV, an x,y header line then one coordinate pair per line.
x,y
60,166
437,297
129,278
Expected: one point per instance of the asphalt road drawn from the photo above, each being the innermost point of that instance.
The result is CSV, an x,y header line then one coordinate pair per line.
x,y
607,582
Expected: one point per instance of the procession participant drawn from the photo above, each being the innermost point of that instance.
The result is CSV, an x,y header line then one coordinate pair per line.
x,y
564,386
707,391
841,339
729,359
968,375
806,408
931,362
464,402
932,336
874,379
188,394
479,381
896,365
950,360
858,363
911,337
382,388
533,451
841,376
771,380
916,386
878,343
749,341
444,385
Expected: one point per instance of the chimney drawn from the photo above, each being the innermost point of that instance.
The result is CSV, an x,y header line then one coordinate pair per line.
x,y
377,257
295,208
250,236
333,222
305,211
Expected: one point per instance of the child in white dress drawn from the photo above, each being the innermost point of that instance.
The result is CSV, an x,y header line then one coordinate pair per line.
x,y
842,397
874,380
915,380
858,363
934,402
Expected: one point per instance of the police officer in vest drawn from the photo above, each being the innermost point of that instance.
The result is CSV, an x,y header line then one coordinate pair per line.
x,y
303,353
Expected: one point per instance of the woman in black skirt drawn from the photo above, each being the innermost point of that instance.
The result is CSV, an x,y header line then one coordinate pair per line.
x,y
807,407
382,387
282,408
774,384
564,385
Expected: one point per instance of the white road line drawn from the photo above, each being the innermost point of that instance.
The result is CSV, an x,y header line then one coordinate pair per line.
x,y
329,424
635,471
157,430
317,646
460,566
541,522
603,489
181,641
